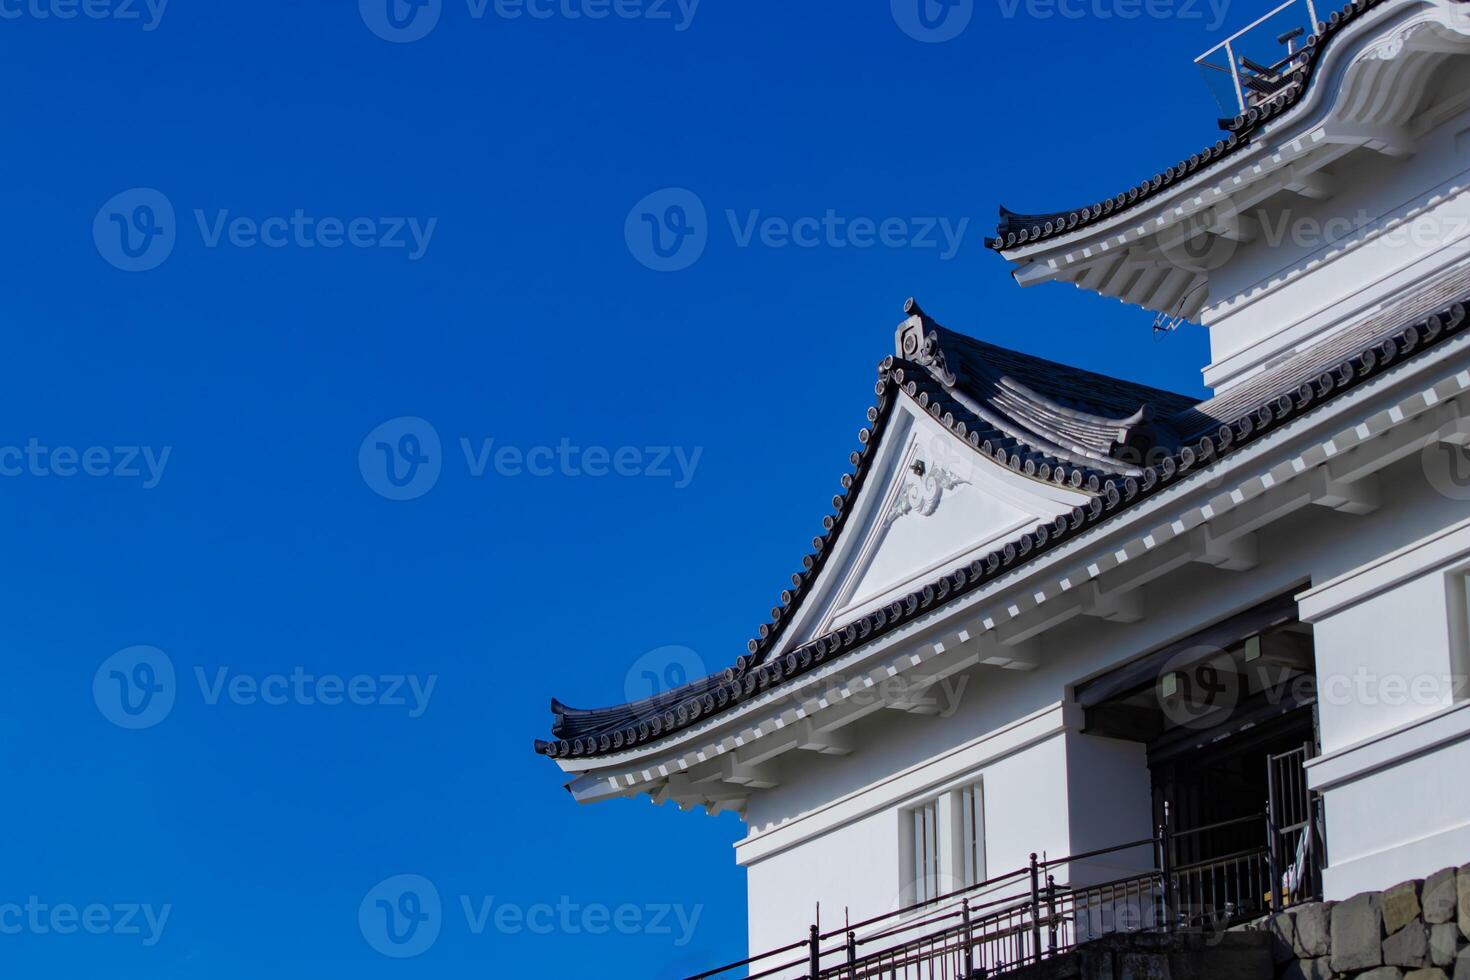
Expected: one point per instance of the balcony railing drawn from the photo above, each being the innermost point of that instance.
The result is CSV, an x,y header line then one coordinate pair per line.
x,y
1025,915
1252,65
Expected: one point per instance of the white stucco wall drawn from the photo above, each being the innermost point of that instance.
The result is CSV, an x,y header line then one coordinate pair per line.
x,y
1317,264
1395,727
832,832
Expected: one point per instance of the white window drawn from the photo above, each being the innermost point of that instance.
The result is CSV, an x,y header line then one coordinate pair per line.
x,y
926,851
972,834
945,844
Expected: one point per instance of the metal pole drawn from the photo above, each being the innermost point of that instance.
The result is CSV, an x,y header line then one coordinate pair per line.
x,y
851,954
969,939
1035,908
1051,914
1166,867
1273,858
1235,76
815,966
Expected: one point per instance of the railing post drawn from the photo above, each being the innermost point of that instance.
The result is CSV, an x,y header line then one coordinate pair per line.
x,y
1035,908
1166,867
1314,856
851,955
815,969
1273,860
1051,914
969,934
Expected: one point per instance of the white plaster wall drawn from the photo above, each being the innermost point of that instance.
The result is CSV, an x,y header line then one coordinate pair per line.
x,y
1383,661
831,831
1398,807
1395,724
853,868
857,870
1320,264
1109,802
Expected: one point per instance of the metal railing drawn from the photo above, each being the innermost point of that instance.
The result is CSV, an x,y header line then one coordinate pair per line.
x,y
1025,915
1251,65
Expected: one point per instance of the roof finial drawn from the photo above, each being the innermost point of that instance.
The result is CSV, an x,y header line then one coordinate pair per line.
x,y
911,308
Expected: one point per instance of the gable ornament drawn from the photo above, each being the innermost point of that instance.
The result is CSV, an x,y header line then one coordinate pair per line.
x,y
923,491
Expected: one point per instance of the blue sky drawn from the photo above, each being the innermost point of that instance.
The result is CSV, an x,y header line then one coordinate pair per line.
x,y
376,244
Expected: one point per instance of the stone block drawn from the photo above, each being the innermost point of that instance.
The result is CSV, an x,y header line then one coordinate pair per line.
x,y
1463,898
1438,897
1462,963
1357,934
1312,969
1427,973
1382,973
1282,930
1444,943
1400,906
1407,947
1462,890
1314,930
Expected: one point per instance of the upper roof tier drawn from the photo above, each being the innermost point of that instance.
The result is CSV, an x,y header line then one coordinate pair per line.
x,y
1295,75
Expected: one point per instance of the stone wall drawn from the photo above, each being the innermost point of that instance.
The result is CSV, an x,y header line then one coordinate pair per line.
x,y
1414,931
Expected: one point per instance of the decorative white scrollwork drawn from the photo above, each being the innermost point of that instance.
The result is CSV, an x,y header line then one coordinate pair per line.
x,y
923,491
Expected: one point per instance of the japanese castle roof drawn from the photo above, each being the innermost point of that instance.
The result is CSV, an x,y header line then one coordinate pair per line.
x,y
1015,229
1116,441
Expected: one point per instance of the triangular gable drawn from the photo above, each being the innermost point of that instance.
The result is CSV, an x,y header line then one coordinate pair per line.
x,y
930,504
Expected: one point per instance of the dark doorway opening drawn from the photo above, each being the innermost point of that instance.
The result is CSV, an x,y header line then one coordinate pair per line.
x,y
1228,719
